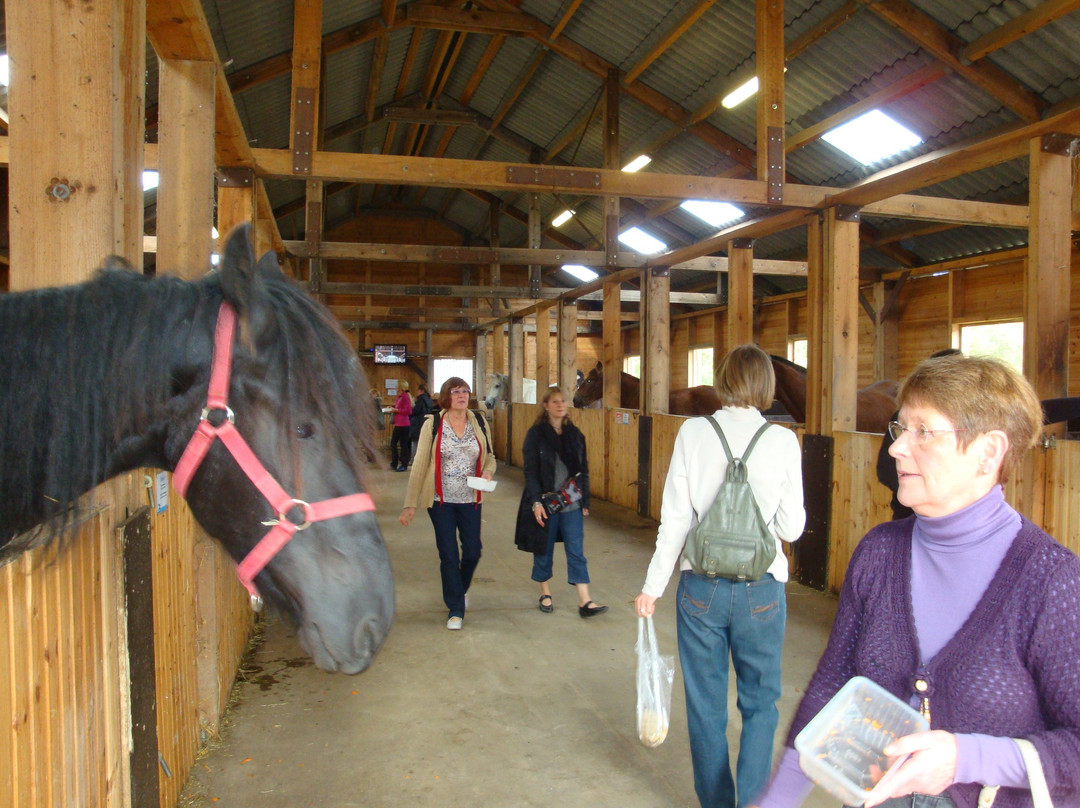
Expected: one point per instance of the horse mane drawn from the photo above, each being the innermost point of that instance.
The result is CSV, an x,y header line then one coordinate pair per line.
x,y
787,363
84,361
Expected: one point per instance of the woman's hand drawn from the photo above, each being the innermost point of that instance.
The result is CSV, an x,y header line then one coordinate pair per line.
x,y
584,511
486,475
644,605
539,514
930,769
407,515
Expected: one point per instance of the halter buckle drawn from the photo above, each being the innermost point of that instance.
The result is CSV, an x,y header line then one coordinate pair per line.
x,y
205,416
283,516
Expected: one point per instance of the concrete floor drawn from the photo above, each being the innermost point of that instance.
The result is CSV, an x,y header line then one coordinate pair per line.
x,y
520,708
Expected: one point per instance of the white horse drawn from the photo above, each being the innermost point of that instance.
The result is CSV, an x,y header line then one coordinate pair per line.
x,y
499,390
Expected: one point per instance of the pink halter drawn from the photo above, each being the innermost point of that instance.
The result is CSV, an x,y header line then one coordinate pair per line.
x,y
282,530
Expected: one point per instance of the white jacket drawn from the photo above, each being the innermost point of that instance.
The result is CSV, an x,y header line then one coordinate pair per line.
x,y
698,466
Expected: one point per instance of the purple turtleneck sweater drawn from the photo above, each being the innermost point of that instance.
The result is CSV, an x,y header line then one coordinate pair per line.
x,y
954,563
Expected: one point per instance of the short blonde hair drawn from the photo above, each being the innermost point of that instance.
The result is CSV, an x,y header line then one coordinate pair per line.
x,y
403,386
978,394
745,378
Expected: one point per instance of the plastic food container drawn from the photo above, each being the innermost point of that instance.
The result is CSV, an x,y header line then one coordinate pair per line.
x,y
480,484
841,749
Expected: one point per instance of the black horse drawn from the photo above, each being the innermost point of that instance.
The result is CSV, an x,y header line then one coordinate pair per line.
x,y
112,374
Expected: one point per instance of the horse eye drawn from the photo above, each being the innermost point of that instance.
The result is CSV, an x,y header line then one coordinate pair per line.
x,y
304,431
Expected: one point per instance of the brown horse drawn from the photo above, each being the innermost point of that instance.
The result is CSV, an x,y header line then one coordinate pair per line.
x,y
701,400
875,405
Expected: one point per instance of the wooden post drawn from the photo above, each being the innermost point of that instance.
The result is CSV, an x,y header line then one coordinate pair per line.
x,y
479,368
656,342
611,160
840,321
185,192
568,347
1046,304
543,351
516,359
769,31
740,308
613,346
815,329
886,333
236,203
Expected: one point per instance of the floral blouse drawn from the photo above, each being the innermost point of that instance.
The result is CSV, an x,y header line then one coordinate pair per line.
x,y
459,459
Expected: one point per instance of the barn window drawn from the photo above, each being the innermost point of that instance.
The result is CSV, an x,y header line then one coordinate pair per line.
x,y
632,365
447,368
701,366
796,350
1002,340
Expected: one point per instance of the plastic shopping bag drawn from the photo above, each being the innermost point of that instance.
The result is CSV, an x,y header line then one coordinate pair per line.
x,y
655,673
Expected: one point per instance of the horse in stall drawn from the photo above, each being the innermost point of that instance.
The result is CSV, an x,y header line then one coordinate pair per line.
x,y
875,403
700,400
499,390
267,433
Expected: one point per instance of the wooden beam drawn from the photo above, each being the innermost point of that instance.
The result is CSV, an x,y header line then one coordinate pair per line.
x,y
740,310
567,327
769,34
1018,27
564,20
676,31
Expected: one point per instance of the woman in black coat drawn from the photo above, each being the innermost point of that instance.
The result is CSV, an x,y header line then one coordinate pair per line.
x,y
555,457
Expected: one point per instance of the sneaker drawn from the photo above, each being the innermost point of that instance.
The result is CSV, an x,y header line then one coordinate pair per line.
x,y
454,624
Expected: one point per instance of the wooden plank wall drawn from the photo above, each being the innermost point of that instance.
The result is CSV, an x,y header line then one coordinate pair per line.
x,y
621,454
593,426
63,681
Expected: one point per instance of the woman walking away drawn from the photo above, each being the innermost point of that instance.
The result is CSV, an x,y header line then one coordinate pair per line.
x,y
965,610
718,618
453,446
399,439
554,457
422,406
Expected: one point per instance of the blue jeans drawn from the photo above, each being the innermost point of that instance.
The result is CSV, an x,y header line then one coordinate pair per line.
x,y
718,618
454,520
571,526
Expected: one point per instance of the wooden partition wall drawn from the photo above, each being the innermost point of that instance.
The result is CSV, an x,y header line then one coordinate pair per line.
x,y
66,683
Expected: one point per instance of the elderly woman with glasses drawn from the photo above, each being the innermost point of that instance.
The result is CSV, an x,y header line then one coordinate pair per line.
x,y
452,446
966,610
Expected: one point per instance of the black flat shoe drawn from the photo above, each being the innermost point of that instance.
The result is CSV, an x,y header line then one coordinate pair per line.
x,y
590,608
549,607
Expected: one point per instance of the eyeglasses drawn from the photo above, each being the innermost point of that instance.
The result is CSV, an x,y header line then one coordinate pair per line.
x,y
919,434
457,391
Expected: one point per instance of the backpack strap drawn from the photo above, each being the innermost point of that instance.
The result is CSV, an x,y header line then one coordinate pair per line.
x,y
723,440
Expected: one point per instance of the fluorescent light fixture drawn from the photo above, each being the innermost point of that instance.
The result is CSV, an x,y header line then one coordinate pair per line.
x,y
872,137
637,163
580,272
717,214
562,218
637,239
740,94
149,180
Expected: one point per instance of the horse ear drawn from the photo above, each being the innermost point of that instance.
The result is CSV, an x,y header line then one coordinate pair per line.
x,y
240,279
118,262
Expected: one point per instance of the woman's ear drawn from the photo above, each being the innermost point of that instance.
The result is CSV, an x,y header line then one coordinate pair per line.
x,y
994,446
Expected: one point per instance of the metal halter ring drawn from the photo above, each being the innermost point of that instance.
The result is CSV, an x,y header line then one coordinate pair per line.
x,y
282,517
228,413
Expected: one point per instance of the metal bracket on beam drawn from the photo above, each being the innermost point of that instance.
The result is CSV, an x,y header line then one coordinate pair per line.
x,y
847,213
303,121
659,272
1060,143
775,155
742,243
548,176
235,177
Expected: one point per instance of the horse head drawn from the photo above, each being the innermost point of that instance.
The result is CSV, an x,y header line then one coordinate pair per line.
x,y
498,387
590,388
300,402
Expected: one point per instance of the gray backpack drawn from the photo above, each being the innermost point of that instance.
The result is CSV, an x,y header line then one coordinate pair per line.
x,y
731,540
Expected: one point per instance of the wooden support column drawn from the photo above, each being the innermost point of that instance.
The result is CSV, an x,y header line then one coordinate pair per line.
x,y
1046,307
479,368
236,202
543,350
740,307
536,226
769,32
516,359
840,322
313,237
612,356
886,332
185,192
611,160
567,347
656,341
815,325
498,339
75,135
306,67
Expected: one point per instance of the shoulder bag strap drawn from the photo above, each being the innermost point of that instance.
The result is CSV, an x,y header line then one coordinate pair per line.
x,y
720,433
1040,794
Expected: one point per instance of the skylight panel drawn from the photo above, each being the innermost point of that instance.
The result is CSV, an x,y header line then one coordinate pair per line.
x,y
580,272
637,239
717,214
872,137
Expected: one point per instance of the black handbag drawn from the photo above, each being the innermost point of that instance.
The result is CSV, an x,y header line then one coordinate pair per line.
x,y
568,494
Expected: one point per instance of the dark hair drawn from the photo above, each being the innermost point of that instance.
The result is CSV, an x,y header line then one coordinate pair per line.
x,y
447,386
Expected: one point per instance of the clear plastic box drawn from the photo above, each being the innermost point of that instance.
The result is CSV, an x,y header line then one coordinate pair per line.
x,y
841,748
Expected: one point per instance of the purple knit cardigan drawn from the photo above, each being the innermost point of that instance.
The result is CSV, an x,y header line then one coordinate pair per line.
x,y
1012,670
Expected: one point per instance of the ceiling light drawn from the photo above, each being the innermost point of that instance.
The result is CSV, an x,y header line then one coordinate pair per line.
x,y
737,96
562,218
637,163
872,137
580,272
637,239
717,214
